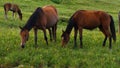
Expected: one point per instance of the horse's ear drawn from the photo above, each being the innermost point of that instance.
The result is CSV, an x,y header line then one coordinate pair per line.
x,y
20,27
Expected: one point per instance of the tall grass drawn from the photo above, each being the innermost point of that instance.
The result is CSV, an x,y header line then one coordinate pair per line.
x,y
93,55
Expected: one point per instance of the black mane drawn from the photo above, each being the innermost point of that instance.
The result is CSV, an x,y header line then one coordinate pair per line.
x,y
33,18
70,25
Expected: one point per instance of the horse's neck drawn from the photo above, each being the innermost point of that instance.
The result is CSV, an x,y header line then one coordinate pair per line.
x,y
69,27
68,30
28,26
19,11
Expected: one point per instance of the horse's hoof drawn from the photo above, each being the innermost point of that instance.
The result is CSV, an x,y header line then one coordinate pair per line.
x,y
23,46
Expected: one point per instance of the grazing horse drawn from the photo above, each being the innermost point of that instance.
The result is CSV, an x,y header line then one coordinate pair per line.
x,y
14,8
42,18
88,19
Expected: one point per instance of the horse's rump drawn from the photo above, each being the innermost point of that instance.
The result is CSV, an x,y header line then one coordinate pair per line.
x,y
51,15
7,6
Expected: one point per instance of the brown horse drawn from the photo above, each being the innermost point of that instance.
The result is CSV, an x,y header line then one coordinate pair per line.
x,y
12,7
42,18
89,19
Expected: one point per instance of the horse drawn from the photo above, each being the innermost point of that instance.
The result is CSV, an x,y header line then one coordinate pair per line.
x,y
89,19
42,18
14,8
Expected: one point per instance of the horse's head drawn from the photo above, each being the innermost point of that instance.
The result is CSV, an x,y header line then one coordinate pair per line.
x,y
24,36
65,38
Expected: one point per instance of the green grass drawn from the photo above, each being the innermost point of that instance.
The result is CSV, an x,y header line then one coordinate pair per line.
x,y
93,55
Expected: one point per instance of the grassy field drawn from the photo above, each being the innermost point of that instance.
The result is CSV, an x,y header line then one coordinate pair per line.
x,y
93,55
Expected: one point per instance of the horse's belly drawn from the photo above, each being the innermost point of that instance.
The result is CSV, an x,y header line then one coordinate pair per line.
x,y
48,25
51,22
90,28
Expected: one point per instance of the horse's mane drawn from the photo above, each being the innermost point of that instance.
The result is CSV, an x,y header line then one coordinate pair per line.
x,y
33,18
70,25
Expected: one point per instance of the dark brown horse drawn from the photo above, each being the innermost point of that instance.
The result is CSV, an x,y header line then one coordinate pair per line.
x,y
85,19
12,7
42,18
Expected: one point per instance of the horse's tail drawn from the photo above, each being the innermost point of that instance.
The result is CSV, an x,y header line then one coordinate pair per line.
x,y
112,28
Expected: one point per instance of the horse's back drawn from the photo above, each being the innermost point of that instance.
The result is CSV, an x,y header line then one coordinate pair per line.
x,y
7,4
51,14
90,19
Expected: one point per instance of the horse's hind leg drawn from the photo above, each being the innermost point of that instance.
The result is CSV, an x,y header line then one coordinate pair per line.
x,y
110,38
106,31
101,29
104,42
110,42
50,34
45,36
54,28
5,10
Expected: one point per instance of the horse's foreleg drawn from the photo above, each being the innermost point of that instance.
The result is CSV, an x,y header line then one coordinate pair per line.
x,y
50,34
45,36
110,38
110,42
54,28
35,38
75,37
80,34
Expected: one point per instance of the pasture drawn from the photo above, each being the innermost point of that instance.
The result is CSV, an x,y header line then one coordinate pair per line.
x,y
92,55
